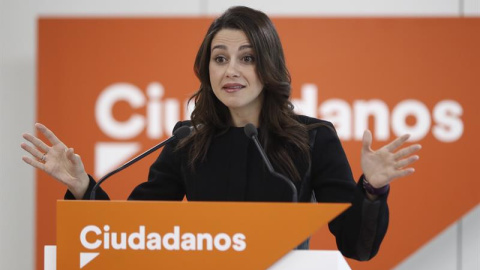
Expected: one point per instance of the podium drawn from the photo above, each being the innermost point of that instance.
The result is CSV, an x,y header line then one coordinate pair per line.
x,y
189,235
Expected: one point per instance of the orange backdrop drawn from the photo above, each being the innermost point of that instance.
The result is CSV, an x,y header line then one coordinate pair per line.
x,y
423,74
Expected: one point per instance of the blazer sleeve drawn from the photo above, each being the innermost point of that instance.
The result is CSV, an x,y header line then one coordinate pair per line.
x,y
164,178
359,230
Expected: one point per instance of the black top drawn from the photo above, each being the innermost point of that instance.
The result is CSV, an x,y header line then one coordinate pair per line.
x,y
234,171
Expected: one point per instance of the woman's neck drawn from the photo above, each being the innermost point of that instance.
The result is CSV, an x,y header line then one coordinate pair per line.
x,y
242,118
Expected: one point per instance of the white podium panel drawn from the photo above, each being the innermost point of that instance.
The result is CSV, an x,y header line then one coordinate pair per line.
x,y
311,260
295,260
50,258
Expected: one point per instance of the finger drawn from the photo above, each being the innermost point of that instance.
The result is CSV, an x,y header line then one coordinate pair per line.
x,y
397,142
403,173
34,163
36,141
407,151
74,158
405,162
71,155
367,141
32,150
78,160
48,134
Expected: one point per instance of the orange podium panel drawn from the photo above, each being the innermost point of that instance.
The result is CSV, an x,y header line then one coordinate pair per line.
x,y
183,235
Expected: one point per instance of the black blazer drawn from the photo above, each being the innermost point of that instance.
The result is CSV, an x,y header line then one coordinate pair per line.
x,y
234,171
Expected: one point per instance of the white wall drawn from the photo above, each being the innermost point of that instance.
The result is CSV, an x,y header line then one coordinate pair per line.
x,y
456,248
459,247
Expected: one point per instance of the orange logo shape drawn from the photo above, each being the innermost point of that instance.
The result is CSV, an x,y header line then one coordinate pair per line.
x,y
146,235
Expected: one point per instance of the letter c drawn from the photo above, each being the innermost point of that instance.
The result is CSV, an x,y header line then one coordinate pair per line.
x,y
83,237
103,111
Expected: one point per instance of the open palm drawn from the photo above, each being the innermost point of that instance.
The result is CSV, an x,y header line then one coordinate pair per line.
x,y
380,167
57,160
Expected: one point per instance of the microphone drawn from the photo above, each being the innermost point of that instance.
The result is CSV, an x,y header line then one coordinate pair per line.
x,y
179,134
251,132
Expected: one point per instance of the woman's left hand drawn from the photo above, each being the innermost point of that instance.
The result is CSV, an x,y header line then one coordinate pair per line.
x,y
382,166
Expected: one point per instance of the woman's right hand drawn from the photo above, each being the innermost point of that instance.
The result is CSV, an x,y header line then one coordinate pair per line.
x,y
57,160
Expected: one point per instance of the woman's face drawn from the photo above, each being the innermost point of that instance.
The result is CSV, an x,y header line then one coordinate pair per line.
x,y
233,75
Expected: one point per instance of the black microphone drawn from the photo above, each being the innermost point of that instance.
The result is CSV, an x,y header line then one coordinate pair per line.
x,y
179,134
251,132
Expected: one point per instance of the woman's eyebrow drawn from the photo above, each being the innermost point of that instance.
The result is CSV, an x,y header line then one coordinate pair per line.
x,y
223,47
244,47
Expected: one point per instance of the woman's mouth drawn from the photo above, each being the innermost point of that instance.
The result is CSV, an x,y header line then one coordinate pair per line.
x,y
232,87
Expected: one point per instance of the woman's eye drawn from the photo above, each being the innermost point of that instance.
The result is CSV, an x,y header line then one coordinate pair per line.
x,y
249,59
220,59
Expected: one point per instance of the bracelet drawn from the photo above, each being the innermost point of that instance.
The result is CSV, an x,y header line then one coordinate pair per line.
x,y
374,191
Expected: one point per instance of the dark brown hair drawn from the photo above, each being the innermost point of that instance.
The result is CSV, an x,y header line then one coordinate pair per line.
x,y
282,136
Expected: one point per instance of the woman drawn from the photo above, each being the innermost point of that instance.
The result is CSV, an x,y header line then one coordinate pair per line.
x,y
244,79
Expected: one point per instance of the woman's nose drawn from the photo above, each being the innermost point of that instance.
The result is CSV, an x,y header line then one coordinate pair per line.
x,y
232,70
